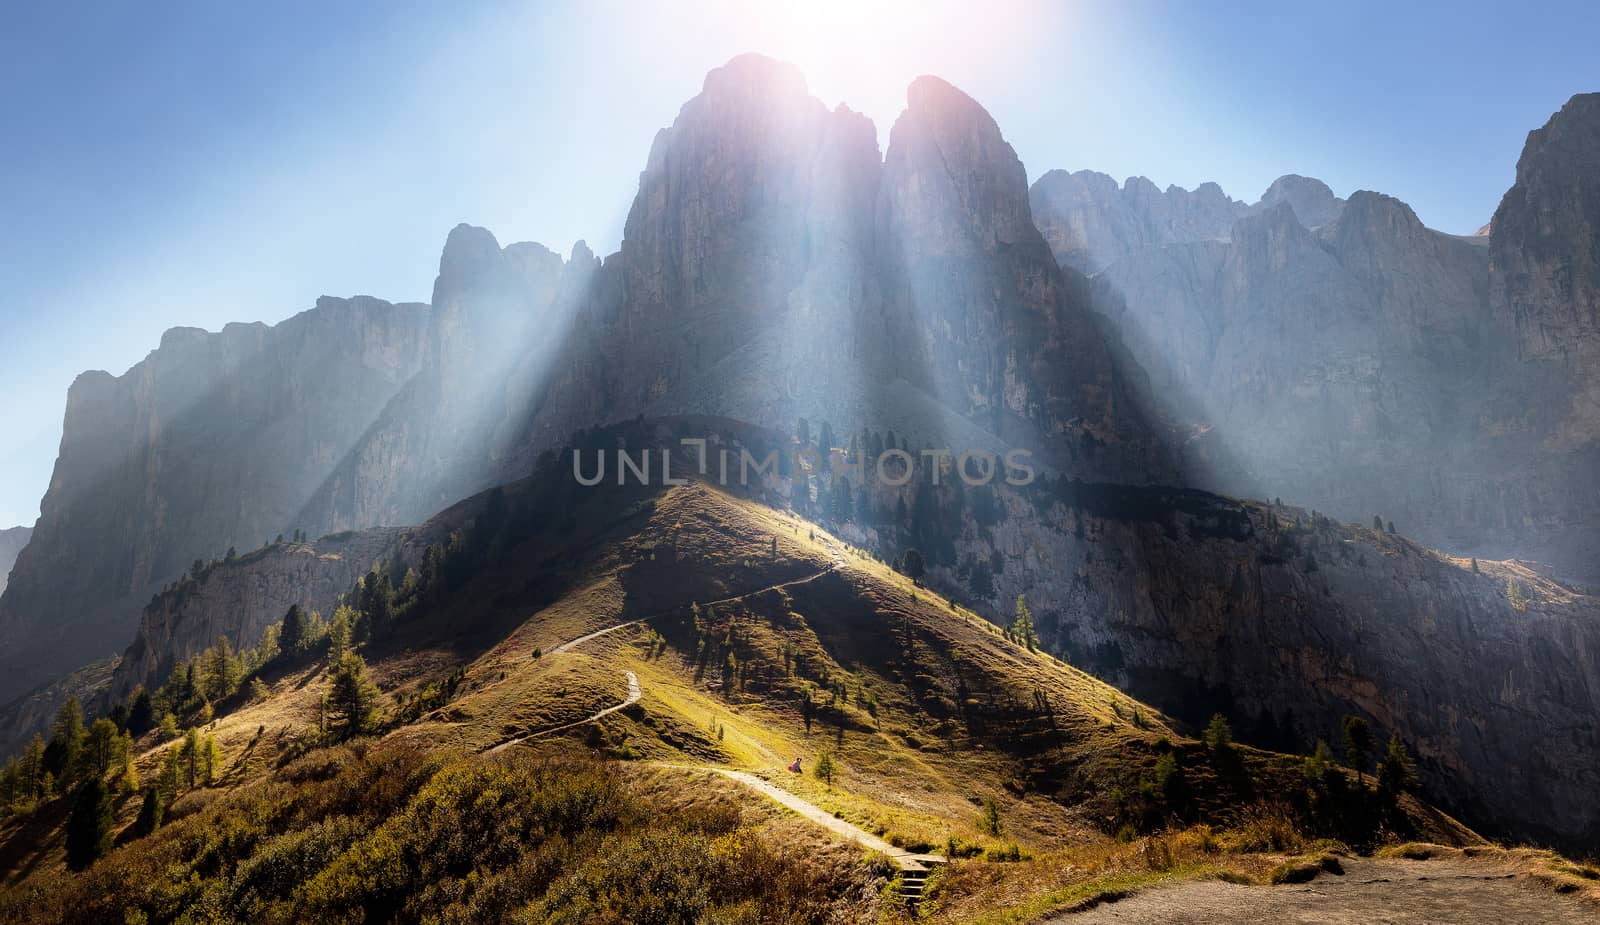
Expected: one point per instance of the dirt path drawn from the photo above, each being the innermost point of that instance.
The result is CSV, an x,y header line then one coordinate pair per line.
x,y
634,691
1459,892
815,813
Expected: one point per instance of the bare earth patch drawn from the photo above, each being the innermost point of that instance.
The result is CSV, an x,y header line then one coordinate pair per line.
x,y
1455,890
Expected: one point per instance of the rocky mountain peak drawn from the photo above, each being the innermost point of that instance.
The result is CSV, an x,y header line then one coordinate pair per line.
x,y
1544,247
754,77
470,253
1275,231
1311,199
1375,217
976,187
1091,222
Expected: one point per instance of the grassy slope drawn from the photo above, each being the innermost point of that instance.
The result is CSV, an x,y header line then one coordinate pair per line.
x,y
938,711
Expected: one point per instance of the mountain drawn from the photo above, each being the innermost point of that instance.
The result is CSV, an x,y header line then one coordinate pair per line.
x,y
1342,354
594,711
11,542
212,441
1091,223
775,268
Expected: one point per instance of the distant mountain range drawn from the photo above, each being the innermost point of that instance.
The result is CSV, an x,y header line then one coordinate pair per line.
x,y
1330,352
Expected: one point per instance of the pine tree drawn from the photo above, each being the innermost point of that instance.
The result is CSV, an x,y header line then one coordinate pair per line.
x,y
339,633
824,770
1219,735
130,771
67,738
1022,627
89,826
1319,764
170,780
101,748
141,713
149,814
292,638
191,757
991,817
258,690
377,603
1514,595
224,670
210,760
353,699
169,727
1396,772
913,566
1357,742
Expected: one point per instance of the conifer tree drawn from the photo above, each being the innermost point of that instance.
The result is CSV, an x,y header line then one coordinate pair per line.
x,y
89,826
67,738
1357,742
1022,627
1396,772
825,770
353,699
149,814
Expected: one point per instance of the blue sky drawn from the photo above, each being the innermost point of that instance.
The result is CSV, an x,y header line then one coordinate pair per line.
x,y
194,164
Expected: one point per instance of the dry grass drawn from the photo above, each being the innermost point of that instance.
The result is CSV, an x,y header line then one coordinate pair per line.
x,y
982,893
1546,868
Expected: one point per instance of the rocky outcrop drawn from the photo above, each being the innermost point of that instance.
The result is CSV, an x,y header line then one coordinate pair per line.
x,y
214,440
448,432
1341,354
239,598
32,713
11,543
773,267
1090,222
1313,204
1285,622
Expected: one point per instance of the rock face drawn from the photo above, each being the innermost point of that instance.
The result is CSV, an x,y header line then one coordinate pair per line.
x,y
1090,222
1341,354
1286,621
11,543
1313,204
1544,271
240,598
214,440
1333,352
447,432
774,267
33,712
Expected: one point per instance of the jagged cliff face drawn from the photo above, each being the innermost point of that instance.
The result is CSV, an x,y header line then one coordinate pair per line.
x,y
214,440
1341,354
774,267
1203,608
11,543
1091,222
240,598
447,433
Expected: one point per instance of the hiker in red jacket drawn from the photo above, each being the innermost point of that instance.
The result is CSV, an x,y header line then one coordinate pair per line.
x,y
796,766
